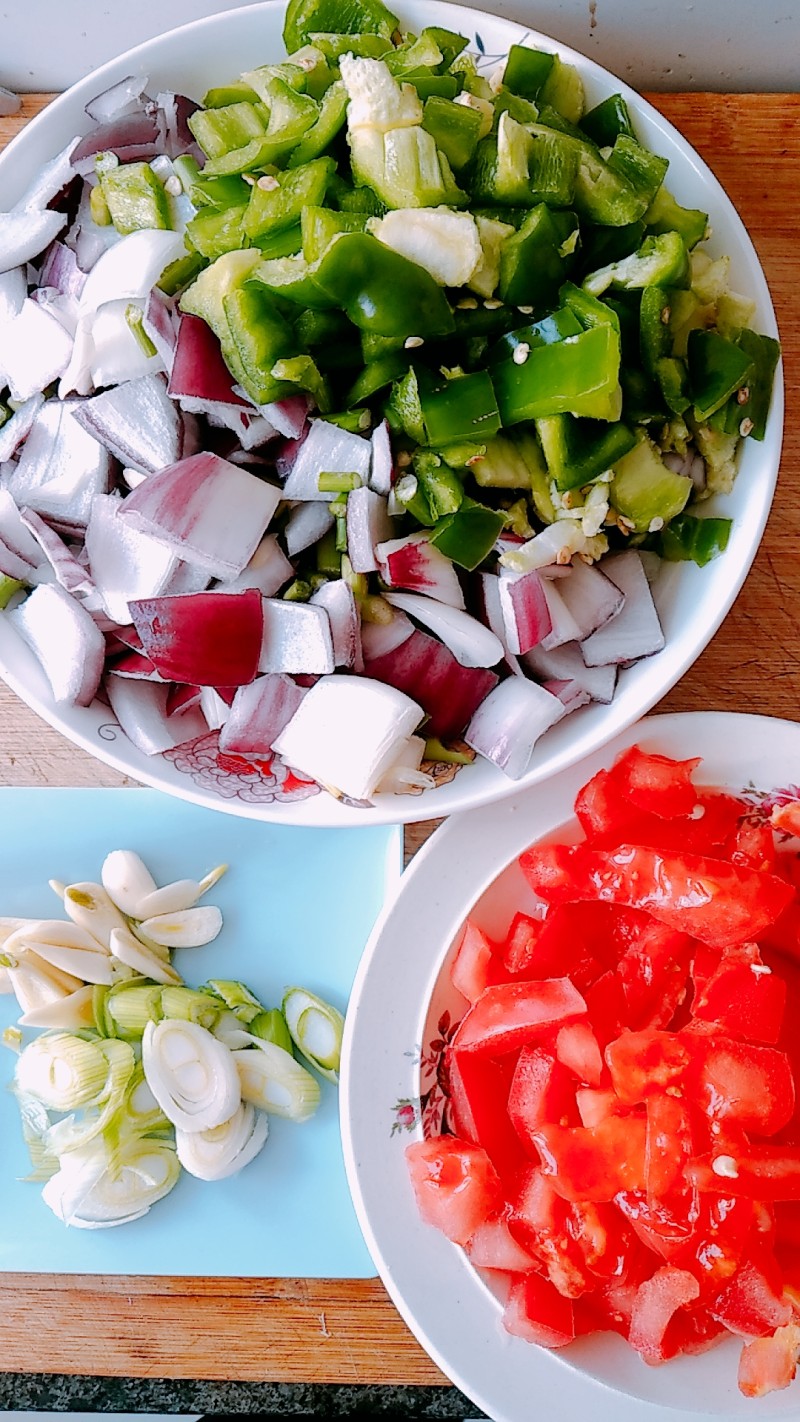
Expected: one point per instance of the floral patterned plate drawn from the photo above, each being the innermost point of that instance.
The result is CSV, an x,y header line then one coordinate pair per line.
x,y
402,1011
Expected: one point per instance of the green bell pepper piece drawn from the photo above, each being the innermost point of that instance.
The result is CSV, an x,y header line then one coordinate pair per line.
x,y
644,490
508,462
750,413
376,376
578,451
717,369
285,243
290,72
207,293
236,93
303,372
643,170
344,198
415,54
655,336
8,586
454,128
305,18
212,233
660,261
223,130
219,193
563,88
332,117
260,337
698,540
577,376
315,328
673,381
462,408
440,486
271,209
404,167
381,291
136,197
666,215
319,226
404,410
555,327
180,273
527,70
607,120
600,246
293,279
435,86
468,536
450,44
589,310
363,46
533,262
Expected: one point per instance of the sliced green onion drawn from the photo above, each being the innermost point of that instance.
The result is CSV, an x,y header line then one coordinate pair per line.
x,y
140,1108
93,1190
331,482
237,997
316,1029
185,1004
62,1071
129,1007
35,1128
271,1027
134,319
434,750
224,1150
12,1038
272,1080
72,1134
192,1076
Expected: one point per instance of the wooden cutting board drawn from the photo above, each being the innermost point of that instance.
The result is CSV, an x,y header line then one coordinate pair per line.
x,y
348,1332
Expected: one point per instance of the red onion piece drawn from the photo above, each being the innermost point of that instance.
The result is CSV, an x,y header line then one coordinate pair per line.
x,y
368,527
211,512
306,524
416,564
198,369
141,709
160,323
590,597
259,713
136,421
564,627
66,641
288,416
13,566
525,611
297,638
182,698
287,453
23,235
17,429
116,355
61,468
68,571
380,478
268,570
131,267
571,696
380,638
331,449
34,350
202,638
121,98
214,707
429,673
509,721
60,269
14,532
133,664
126,564
489,609
566,665
132,136
177,110
13,291
472,644
337,598
50,181
636,630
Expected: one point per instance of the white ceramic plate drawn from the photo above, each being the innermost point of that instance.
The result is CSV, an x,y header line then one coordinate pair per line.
x,y
692,601
389,1081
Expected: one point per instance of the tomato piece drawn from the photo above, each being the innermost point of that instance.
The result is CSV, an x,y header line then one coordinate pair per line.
x,y
538,1312
653,1333
596,1105
455,1184
493,1246
520,943
594,1162
657,784
769,1364
721,904
614,1301
668,1143
606,1006
751,1303
697,1330
753,844
752,1087
477,1087
509,1015
475,966
608,817
763,1172
668,1226
743,997
541,1090
538,1221
653,972
601,1235
573,940
786,817
644,1064
578,1050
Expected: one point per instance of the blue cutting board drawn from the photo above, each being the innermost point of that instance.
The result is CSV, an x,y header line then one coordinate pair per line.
x,y
298,906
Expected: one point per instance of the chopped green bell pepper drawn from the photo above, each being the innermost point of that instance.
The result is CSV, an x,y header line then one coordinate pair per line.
x,y
320,225
136,197
222,130
381,291
747,413
717,369
578,451
666,215
260,337
462,408
305,18
332,116
607,120
455,129
214,232
527,70
645,491
236,93
278,202
698,540
534,262
468,536
578,376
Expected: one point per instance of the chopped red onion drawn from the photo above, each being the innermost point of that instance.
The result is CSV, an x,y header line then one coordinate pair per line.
x,y
17,429
13,291
131,136
68,571
141,709
565,664
337,598
186,578
509,721
255,432
14,532
215,709
297,638
332,450
66,641
416,564
182,698
136,421
130,269
34,350
472,644
198,370
571,696
160,324
525,611
268,570
14,566
428,672
23,235
63,308
121,98
126,564
590,597
635,631
177,110
133,664
563,626
306,524
202,638
50,180
380,478
61,468
380,638
259,713
288,416
210,512
117,356
368,526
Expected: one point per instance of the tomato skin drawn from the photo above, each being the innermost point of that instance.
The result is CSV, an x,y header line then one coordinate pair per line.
x,y
541,1090
763,1172
475,966
606,1007
455,1184
493,1246
594,1162
719,903
753,845
657,1301
743,998
751,1303
538,1312
667,1227
476,1085
769,1364
573,940
538,1221
608,817
510,1015
520,944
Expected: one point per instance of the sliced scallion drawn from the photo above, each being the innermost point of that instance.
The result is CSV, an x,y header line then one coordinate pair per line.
x,y
272,1080
316,1028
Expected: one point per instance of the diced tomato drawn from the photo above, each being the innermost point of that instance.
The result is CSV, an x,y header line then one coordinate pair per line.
x,y
763,1172
596,1105
657,784
477,1087
786,817
615,1299
644,1064
493,1246
697,1330
744,998
769,1364
573,939
538,1220
722,904
509,1015
752,843
475,966
653,972
751,1303
734,1081
518,949
669,1143
538,1312
541,1090
594,1162
657,1301
456,1186
668,1226
608,817
606,1007
602,1236
578,1050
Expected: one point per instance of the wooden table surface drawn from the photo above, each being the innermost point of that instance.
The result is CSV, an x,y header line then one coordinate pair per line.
x,y
298,1330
